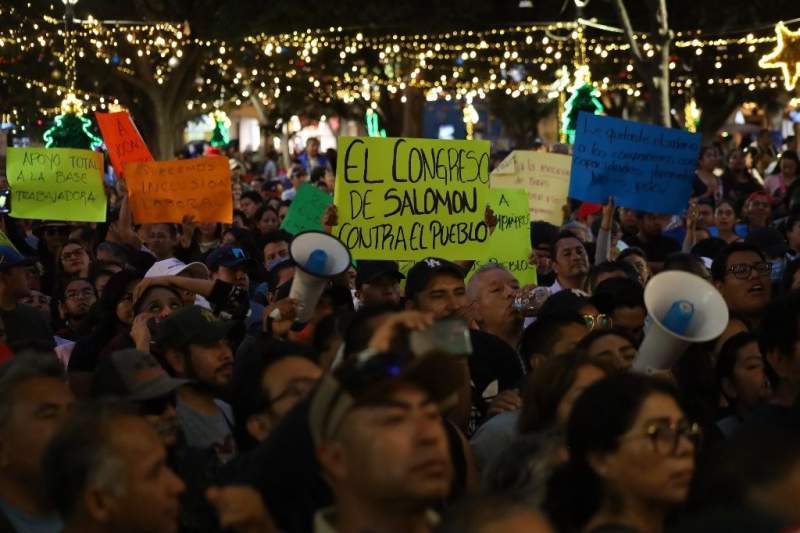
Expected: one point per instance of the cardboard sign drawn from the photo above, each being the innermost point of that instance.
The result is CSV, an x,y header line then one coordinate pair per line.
x,y
510,243
544,175
167,191
124,143
305,213
56,184
412,198
642,166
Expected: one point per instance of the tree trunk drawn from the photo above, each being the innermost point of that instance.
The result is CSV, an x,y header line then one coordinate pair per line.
x,y
654,75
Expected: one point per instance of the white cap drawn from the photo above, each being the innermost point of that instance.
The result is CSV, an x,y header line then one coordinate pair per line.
x,y
176,267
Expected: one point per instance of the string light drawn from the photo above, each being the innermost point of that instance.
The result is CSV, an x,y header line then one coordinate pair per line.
x,y
786,55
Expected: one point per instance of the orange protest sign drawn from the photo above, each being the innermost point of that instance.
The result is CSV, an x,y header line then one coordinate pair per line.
x,y
122,139
166,191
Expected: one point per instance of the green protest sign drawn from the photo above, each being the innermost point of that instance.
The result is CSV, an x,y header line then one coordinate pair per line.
x,y
412,198
510,243
56,184
306,211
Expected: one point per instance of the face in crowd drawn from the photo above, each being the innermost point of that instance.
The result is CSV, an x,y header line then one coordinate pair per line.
x,y
395,450
570,261
159,302
746,285
445,296
381,290
493,294
210,365
725,216
161,239
79,297
74,259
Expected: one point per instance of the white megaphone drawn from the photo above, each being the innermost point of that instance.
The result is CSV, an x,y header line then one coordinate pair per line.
x,y
318,257
682,308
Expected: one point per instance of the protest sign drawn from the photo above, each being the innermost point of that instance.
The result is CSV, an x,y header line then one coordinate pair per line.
x,y
167,191
544,175
510,243
122,139
306,211
642,166
56,184
412,198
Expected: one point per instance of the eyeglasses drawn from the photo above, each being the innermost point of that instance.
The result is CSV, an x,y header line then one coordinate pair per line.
x,y
73,254
157,406
599,322
666,437
74,295
744,270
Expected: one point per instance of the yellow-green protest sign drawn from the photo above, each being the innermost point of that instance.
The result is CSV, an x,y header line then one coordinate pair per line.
x,y
510,243
544,175
56,184
409,199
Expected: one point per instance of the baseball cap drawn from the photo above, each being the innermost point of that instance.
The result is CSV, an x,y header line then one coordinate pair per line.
x,y
10,257
371,270
420,274
176,267
759,195
192,325
134,375
229,257
769,240
367,378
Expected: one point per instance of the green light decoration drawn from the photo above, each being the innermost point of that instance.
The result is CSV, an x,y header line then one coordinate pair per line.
x,y
373,124
585,97
71,129
221,135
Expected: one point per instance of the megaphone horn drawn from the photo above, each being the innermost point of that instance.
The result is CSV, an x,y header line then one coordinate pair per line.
x,y
319,257
682,309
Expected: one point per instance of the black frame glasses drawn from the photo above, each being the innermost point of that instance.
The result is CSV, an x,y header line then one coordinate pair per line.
x,y
745,270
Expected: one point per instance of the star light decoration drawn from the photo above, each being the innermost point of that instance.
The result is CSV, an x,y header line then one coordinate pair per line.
x,y
786,55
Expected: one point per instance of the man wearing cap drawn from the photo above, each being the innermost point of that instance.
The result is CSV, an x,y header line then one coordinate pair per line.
x,y
437,286
381,442
378,283
138,378
231,265
23,323
194,344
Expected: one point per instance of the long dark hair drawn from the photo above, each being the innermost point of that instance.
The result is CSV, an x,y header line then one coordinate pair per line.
x,y
600,416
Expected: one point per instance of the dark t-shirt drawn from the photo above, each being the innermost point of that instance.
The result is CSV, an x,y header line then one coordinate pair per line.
x,y
657,249
25,323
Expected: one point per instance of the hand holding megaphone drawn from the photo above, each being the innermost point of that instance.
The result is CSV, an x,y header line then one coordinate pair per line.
x,y
318,257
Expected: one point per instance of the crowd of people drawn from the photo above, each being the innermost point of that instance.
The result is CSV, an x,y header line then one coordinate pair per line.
x,y
155,377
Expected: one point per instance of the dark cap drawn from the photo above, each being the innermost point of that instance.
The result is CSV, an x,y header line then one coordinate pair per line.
x,y
10,258
769,240
192,325
367,378
369,271
133,375
229,257
421,274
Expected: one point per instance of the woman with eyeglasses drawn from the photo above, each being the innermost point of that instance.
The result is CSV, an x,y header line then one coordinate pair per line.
x,y
631,458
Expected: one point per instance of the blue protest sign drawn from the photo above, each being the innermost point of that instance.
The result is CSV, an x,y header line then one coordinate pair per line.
x,y
642,166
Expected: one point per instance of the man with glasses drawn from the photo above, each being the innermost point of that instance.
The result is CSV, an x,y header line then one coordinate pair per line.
x,y
741,273
74,307
24,324
267,388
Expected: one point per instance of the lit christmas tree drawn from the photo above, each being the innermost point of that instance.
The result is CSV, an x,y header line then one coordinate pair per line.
x,y
584,98
221,135
71,129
